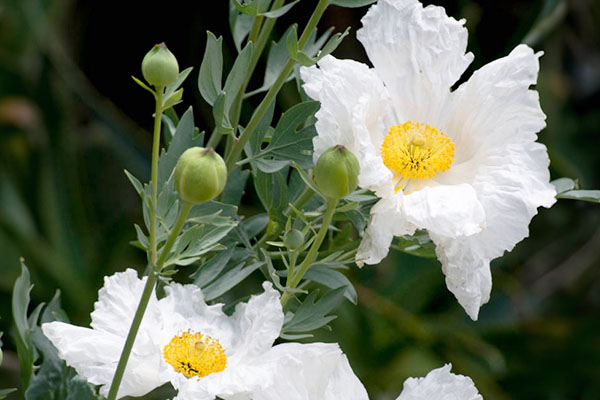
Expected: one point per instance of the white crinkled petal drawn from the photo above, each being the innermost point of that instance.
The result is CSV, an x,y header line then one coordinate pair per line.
x,y
117,303
386,221
418,52
315,371
239,382
94,353
440,384
355,112
183,308
245,336
344,384
258,322
449,211
495,120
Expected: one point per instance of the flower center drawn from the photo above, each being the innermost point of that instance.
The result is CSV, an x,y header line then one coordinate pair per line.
x,y
417,150
195,354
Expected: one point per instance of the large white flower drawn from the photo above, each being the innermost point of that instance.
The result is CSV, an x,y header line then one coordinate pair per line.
x,y
198,348
440,384
463,164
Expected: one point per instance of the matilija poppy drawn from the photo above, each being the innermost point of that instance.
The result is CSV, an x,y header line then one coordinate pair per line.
x,y
203,352
440,384
463,164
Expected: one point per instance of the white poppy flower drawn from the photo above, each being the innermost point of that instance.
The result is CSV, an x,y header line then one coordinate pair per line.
x,y
463,164
440,384
198,348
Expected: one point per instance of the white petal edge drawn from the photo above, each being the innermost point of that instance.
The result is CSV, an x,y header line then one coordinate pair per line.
x,y
440,384
497,117
418,52
258,322
315,371
95,354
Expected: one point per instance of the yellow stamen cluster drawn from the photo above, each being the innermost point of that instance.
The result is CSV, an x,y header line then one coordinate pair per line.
x,y
417,150
195,354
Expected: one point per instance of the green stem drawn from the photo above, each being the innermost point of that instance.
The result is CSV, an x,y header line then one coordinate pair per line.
x,y
294,280
270,96
293,258
301,200
133,330
155,150
145,299
186,207
260,41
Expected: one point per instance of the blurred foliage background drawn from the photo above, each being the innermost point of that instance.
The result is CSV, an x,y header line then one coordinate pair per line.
x,y
71,119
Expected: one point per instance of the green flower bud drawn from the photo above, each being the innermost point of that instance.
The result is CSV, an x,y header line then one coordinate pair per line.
x,y
336,172
159,66
200,175
293,239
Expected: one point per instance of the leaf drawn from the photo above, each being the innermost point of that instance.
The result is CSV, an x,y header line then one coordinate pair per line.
x,y
272,191
6,392
211,69
289,144
220,114
196,241
585,195
137,185
564,184
333,43
264,125
333,279
143,85
206,273
352,3
312,315
308,180
280,11
567,188
80,389
276,60
240,25
255,224
234,188
171,89
291,42
419,245
230,279
237,76
54,311
173,99
53,379
20,302
255,7
270,166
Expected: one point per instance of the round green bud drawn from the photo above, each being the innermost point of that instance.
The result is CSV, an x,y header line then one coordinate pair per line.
x,y
159,66
293,239
200,175
336,172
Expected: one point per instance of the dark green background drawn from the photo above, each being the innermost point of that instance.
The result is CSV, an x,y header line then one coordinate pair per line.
x,y
71,119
